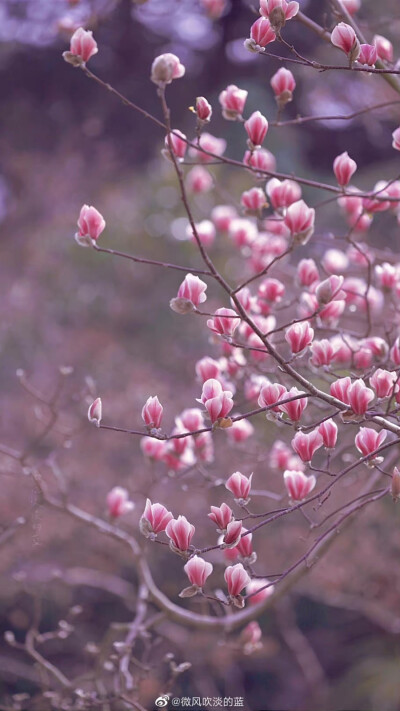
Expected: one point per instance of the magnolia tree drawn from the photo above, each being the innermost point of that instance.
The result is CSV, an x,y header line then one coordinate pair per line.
x,y
303,350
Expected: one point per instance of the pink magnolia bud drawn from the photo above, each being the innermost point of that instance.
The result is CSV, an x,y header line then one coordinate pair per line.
x,y
152,413
299,336
203,109
305,445
204,448
295,408
368,440
118,502
322,353
243,232
233,533
250,637
239,485
256,127
330,289
191,294
278,11
396,139
330,315
155,519
95,412
214,8
224,322
271,290
351,6
383,382
198,570
387,275
307,272
297,484
233,101
279,455
299,219
180,532
384,48
91,224
395,486
192,419
261,34
344,37
328,431
257,592
205,231
165,68
153,448
207,369
221,516
176,142
245,546
199,180
368,55
363,358
82,47
283,84
359,397
240,431
334,261
210,144
283,193
261,160
236,579
344,168
211,388
222,216
253,200
270,394
219,406
395,352
340,389
378,346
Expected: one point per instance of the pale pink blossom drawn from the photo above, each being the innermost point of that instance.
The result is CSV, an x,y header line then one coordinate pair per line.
x,y
155,518
359,397
334,261
177,143
199,180
329,432
261,34
260,160
165,68
82,47
278,11
307,272
244,545
239,485
250,637
271,290
221,516
153,448
271,394
192,419
330,289
331,313
259,590
198,570
395,351
368,55
211,388
180,532
253,200
91,224
383,382
256,128
224,322
203,109
232,534
152,413
306,444
207,368
118,502
222,216
214,8
323,353
233,101
295,408
95,412
298,485
236,579
243,232
384,48
283,84
280,455
344,37
352,6
204,447
344,168
192,290
240,431
210,144
219,405
205,231
340,389
299,219
368,440
283,193
299,336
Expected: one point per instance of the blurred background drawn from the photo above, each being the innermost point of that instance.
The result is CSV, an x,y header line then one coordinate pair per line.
x,y
80,324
